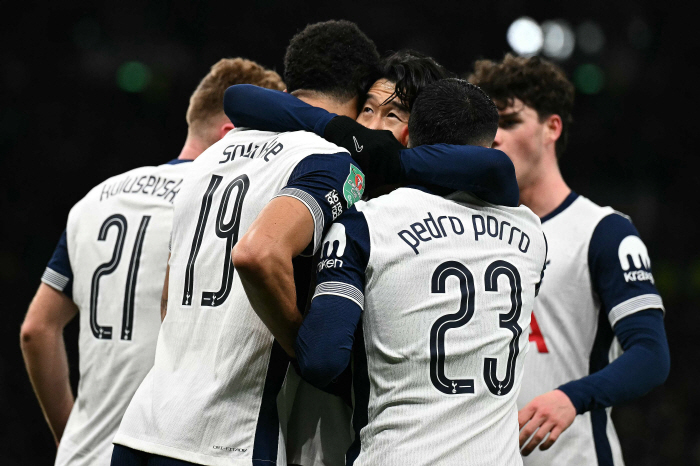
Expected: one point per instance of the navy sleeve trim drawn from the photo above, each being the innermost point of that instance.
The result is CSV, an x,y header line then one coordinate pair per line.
x,y
311,204
54,279
562,207
636,304
344,290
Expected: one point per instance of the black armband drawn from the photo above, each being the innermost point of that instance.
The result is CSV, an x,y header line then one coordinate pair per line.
x,y
377,152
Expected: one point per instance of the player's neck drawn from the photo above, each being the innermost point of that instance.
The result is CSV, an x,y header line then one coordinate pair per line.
x,y
192,149
546,193
330,104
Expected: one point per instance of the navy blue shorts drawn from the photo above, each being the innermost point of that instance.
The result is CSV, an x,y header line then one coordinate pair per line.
x,y
125,456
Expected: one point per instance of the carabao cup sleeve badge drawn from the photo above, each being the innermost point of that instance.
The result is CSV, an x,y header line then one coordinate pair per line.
x,y
354,186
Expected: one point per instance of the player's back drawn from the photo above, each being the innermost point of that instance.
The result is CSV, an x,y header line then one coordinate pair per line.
x,y
117,242
211,396
449,291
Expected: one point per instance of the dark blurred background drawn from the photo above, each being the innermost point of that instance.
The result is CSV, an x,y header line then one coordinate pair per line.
x,y
92,89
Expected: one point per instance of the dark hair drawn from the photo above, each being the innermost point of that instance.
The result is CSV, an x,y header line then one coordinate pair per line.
x,y
411,71
332,57
539,83
453,111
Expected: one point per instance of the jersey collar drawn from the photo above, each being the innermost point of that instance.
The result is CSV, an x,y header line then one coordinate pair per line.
x,y
562,207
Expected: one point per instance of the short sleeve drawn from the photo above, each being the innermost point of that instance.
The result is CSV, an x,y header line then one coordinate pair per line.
x,y
58,273
344,258
328,184
620,269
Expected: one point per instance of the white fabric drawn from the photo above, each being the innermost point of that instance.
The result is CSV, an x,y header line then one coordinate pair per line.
x,y
410,420
567,311
201,401
111,369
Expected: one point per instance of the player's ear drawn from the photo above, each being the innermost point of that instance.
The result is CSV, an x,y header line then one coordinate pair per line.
x,y
552,127
225,128
285,91
403,137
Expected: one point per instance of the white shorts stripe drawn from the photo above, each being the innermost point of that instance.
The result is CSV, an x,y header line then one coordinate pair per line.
x,y
636,304
313,207
54,279
341,289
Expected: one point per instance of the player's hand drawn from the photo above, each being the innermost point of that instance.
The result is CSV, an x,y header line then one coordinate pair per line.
x,y
551,413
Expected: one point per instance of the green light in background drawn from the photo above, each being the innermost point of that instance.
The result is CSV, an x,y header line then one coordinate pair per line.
x,y
589,78
133,76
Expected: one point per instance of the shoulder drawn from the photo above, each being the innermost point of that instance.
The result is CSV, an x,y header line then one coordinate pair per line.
x,y
615,235
310,142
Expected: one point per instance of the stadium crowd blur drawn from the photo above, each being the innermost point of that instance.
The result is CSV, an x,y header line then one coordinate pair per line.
x,y
90,90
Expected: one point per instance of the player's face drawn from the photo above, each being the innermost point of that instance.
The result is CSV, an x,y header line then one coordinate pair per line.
x,y
392,116
521,136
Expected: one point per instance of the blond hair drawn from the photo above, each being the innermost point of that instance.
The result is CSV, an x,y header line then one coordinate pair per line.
x,y
206,103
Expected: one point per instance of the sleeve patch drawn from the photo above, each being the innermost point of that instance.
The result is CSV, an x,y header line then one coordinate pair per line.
x,y
313,207
54,279
344,290
354,186
636,304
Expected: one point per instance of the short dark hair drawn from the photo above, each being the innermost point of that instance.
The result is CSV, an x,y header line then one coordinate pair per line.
x,y
452,111
539,83
331,57
411,71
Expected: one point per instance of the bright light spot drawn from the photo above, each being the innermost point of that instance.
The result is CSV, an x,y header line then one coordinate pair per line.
x,y
559,39
590,37
589,78
133,76
525,36
639,34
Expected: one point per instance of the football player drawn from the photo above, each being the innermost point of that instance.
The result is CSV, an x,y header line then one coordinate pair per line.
x,y
320,425
599,286
109,265
432,295
211,397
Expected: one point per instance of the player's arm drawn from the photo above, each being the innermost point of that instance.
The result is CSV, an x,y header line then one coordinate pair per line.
x,y
320,188
325,340
635,313
263,259
41,340
488,173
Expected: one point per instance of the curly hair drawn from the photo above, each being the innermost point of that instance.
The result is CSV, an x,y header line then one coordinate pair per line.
x,y
411,71
537,82
331,57
453,111
207,100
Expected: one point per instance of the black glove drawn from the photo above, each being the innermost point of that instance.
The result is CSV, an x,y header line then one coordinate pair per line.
x,y
376,151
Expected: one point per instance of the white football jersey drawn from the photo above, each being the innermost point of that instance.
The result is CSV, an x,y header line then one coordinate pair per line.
x,y
211,397
590,284
447,292
111,261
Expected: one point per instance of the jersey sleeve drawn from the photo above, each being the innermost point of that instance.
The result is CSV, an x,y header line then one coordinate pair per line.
x,y
324,343
269,110
328,184
487,173
620,269
58,273
644,365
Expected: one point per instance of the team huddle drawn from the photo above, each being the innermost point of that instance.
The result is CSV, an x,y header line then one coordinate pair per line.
x,y
381,265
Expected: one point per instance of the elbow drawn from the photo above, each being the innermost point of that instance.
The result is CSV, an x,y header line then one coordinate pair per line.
x,y
317,373
663,365
251,260
319,366
30,334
